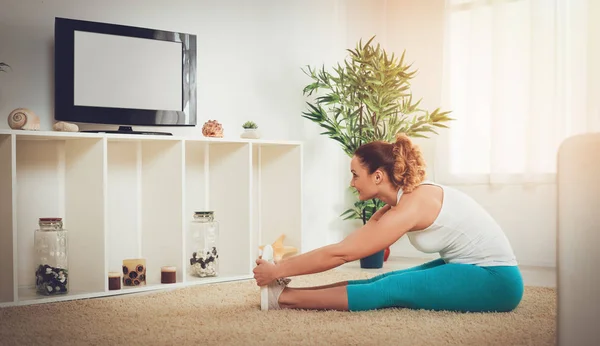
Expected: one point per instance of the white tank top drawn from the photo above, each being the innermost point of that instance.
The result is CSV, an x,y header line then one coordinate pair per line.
x,y
463,232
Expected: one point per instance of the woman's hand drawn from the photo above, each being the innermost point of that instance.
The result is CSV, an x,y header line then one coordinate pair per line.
x,y
265,272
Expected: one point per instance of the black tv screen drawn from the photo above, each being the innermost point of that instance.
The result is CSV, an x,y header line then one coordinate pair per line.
x,y
123,75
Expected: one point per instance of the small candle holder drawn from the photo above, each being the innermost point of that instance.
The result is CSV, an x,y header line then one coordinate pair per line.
x,y
168,275
134,272
114,281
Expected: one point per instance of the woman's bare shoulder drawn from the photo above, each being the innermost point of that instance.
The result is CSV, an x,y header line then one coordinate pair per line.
x,y
421,201
424,204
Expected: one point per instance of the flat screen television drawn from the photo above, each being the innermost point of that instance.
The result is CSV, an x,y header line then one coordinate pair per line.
x,y
123,75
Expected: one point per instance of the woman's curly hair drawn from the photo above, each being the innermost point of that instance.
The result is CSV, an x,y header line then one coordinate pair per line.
x,y
402,161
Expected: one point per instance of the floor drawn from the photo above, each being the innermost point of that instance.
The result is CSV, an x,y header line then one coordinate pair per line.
x,y
532,276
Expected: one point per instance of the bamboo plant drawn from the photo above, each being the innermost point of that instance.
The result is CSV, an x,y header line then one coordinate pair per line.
x,y
368,98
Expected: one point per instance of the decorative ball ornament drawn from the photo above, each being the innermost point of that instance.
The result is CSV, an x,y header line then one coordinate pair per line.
x,y
212,128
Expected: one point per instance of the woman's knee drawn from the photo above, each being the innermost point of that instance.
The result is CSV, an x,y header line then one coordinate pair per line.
x,y
367,296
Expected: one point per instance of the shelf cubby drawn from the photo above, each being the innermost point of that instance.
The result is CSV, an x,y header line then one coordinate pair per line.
x,y
277,194
162,206
61,178
123,203
229,197
131,196
144,193
217,179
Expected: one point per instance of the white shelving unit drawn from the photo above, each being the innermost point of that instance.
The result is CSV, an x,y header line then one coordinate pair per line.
x,y
133,196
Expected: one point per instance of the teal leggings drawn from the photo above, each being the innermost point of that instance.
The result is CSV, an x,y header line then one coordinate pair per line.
x,y
438,285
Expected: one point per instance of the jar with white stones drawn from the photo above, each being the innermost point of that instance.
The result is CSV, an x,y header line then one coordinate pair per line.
x,y
203,245
51,257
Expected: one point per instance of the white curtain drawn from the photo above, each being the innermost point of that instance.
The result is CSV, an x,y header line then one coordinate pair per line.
x,y
516,78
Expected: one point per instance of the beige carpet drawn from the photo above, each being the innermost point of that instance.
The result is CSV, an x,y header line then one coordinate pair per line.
x,y
229,314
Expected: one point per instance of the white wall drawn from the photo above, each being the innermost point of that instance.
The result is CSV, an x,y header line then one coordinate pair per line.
x,y
249,60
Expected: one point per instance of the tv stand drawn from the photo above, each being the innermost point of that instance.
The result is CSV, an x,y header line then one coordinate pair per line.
x,y
125,197
129,131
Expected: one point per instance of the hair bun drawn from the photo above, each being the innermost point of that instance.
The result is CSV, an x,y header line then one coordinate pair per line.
x,y
402,145
402,138
409,168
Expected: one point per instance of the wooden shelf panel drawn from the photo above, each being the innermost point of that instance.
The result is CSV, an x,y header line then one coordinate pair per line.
x,y
57,135
7,234
28,296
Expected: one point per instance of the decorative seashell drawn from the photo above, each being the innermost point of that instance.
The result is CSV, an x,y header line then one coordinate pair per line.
x,y
23,119
212,128
66,127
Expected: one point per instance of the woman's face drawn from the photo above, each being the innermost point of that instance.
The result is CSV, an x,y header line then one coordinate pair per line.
x,y
362,181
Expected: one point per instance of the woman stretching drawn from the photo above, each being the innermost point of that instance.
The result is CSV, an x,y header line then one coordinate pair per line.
x,y
476,272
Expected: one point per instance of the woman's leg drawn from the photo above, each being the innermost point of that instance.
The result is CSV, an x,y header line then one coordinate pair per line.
x,y
454,287
335,296
312,288
332,298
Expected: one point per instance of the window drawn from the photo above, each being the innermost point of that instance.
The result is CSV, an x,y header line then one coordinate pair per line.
x,y
515,79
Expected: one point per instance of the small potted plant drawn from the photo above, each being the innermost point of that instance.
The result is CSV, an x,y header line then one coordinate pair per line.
x,y
250,130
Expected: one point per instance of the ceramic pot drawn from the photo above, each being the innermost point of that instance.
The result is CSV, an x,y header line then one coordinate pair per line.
x,y
375,261
250,133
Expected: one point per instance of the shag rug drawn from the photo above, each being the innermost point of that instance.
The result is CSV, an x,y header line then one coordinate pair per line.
x,y
229,314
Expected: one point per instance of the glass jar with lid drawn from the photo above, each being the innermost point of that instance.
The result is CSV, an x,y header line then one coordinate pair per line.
x,y
51,257
203,245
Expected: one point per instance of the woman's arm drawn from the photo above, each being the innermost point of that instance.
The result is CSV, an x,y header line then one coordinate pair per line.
x,y
363,242
379,213
315,261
